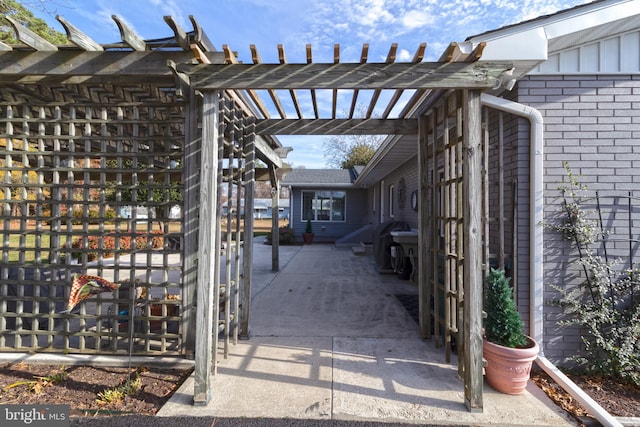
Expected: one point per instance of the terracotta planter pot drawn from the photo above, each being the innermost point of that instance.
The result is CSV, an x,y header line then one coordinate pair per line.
x,y
156,310
307,238
508,369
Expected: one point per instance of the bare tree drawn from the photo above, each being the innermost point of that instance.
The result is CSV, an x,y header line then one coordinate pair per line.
x,y
344,151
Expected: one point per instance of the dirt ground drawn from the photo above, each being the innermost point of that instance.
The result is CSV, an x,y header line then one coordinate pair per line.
x,y
87,389
618,399
82,388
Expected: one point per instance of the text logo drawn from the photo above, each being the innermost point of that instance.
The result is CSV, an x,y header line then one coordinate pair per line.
x,y
34,415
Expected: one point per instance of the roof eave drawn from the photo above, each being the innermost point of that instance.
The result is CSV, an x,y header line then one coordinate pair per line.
x,y
314,186
528,41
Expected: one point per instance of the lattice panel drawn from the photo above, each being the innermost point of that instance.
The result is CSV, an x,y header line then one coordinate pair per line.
x,y
94,189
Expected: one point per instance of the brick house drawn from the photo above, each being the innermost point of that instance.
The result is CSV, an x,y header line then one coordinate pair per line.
x,y
580,105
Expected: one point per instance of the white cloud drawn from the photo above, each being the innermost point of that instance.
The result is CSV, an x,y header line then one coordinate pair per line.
x,y
417,19
404,55
372,12
169,7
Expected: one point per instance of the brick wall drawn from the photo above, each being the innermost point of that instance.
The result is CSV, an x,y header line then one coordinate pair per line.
x,y
593,123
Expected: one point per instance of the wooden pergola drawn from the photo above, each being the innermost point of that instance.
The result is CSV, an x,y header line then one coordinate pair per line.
x,y
177,112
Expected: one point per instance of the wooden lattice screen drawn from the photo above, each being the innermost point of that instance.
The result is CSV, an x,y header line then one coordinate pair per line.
x,y
443,139
444,151
91,188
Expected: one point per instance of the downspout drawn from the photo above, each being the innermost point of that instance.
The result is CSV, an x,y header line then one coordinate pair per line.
x,y
536,247
536,252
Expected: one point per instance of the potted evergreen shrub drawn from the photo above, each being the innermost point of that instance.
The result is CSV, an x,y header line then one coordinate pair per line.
x,y
508,351
307,236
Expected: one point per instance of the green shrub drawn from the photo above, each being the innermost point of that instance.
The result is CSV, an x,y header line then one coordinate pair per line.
x,y
503,325
607,304
286,236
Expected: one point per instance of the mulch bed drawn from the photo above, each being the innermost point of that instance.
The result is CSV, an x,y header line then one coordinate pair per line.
x,y
617,398
80,386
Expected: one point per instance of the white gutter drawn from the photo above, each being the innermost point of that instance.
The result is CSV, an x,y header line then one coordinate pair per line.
x,y
536,253
536,193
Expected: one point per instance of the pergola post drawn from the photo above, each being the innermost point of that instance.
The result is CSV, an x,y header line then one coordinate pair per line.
x,y
189,245
472,212
247,252
206,249
275,223
424,232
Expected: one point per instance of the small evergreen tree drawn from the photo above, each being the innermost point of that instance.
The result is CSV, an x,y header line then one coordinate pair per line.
x,y
503,325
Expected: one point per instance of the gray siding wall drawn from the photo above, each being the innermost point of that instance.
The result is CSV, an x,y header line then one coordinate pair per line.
x,y
408,171
356,216
591,122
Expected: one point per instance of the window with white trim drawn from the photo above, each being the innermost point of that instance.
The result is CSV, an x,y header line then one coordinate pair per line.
x,y
324,206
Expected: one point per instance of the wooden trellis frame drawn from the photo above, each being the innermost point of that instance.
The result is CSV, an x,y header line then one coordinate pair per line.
x,y
444,156
201,107
122,119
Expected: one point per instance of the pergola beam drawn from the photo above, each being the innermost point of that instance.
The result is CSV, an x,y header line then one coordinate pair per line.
x,y
265,153
337,127
75,67
404,75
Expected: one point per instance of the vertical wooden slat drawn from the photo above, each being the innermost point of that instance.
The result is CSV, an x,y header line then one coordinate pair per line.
x,y
436,223
55,243
238,218
24,217
460,236
485,195
247,254
39,186
275,233
163,213
70,163
104,133
425,267
190,216
135,148
229,232
473,279
449,232
119,182
86,179
7,213
206,249
217,285
120,144
439,246
150,203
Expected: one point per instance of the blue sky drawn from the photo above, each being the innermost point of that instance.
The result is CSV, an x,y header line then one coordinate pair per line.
x,y
295,23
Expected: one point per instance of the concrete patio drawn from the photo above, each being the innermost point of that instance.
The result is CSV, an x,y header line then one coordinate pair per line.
x,y
330,340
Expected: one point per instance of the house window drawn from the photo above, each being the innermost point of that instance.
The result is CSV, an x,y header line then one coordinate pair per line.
x,y
324,206
391,200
